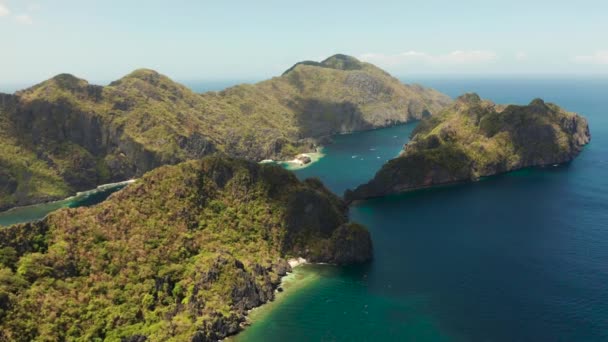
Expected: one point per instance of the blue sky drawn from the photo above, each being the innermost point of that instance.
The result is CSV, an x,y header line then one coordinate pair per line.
x,y
214,40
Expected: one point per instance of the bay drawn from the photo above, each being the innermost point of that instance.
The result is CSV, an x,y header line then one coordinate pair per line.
x,y
39,211
517,257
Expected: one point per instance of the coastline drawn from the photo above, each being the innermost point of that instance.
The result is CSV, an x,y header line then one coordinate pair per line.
x,y
354,201
299,278
39,211
295,164
101,187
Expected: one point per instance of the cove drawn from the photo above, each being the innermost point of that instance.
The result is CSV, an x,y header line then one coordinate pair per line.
x,y
39,211
516,257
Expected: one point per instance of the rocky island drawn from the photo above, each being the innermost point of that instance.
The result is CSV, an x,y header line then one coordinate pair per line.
x,y
182,254
65,135
476,138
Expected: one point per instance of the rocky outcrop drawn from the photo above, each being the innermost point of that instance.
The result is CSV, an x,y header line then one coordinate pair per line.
x,y
303,159
255,287
476,138
349,243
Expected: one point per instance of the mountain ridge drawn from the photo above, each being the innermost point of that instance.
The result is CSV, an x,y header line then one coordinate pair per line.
x,y
65,135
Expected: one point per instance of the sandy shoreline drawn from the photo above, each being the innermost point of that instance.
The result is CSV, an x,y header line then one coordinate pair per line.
x,y
295,262
296,164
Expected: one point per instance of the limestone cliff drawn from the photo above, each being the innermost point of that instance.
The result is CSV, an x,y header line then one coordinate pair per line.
x,y
475,138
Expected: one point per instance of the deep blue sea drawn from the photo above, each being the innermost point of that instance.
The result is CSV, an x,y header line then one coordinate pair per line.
x,y
517,257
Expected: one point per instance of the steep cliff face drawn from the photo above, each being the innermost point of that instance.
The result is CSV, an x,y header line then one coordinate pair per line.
x,y
65,135
182,253
476,138
310,101
342,94
59,139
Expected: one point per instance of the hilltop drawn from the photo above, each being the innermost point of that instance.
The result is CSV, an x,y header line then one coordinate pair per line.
x,y
181,254
476,138
65,135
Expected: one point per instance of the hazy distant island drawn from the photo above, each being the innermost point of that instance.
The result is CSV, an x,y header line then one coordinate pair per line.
x,y
475,138
181,254
65,135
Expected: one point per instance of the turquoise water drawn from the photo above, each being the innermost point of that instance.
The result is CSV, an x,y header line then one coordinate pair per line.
x,y
37,212
355,158
518,257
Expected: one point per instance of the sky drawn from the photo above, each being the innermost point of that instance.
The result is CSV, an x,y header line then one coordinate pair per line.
x,y
188,40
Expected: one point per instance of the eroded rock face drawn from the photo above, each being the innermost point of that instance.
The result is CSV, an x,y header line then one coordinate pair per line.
x,y
349,243
476,138
47,125
78,147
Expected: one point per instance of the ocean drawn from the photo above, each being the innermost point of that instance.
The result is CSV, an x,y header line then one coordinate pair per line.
x,y
516,257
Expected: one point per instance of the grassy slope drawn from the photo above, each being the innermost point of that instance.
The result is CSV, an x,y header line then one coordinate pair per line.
x,y
475,138
77,135
183,252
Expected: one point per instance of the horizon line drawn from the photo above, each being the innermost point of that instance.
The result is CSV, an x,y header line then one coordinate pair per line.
x,y
11,87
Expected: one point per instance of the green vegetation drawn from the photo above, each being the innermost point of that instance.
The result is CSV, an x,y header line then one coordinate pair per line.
x,y
181,254
65,135
475,138
338,62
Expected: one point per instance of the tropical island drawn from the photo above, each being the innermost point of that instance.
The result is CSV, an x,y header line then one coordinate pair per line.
x,y
475,138
206,232
65,135
182,254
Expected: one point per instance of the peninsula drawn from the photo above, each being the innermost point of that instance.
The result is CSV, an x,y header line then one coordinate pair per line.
x,y
476,138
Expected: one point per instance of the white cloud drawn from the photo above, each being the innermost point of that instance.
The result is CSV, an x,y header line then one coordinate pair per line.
x,y
457,57
521,56
467,57
600,57
24,19
4,11
413,54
